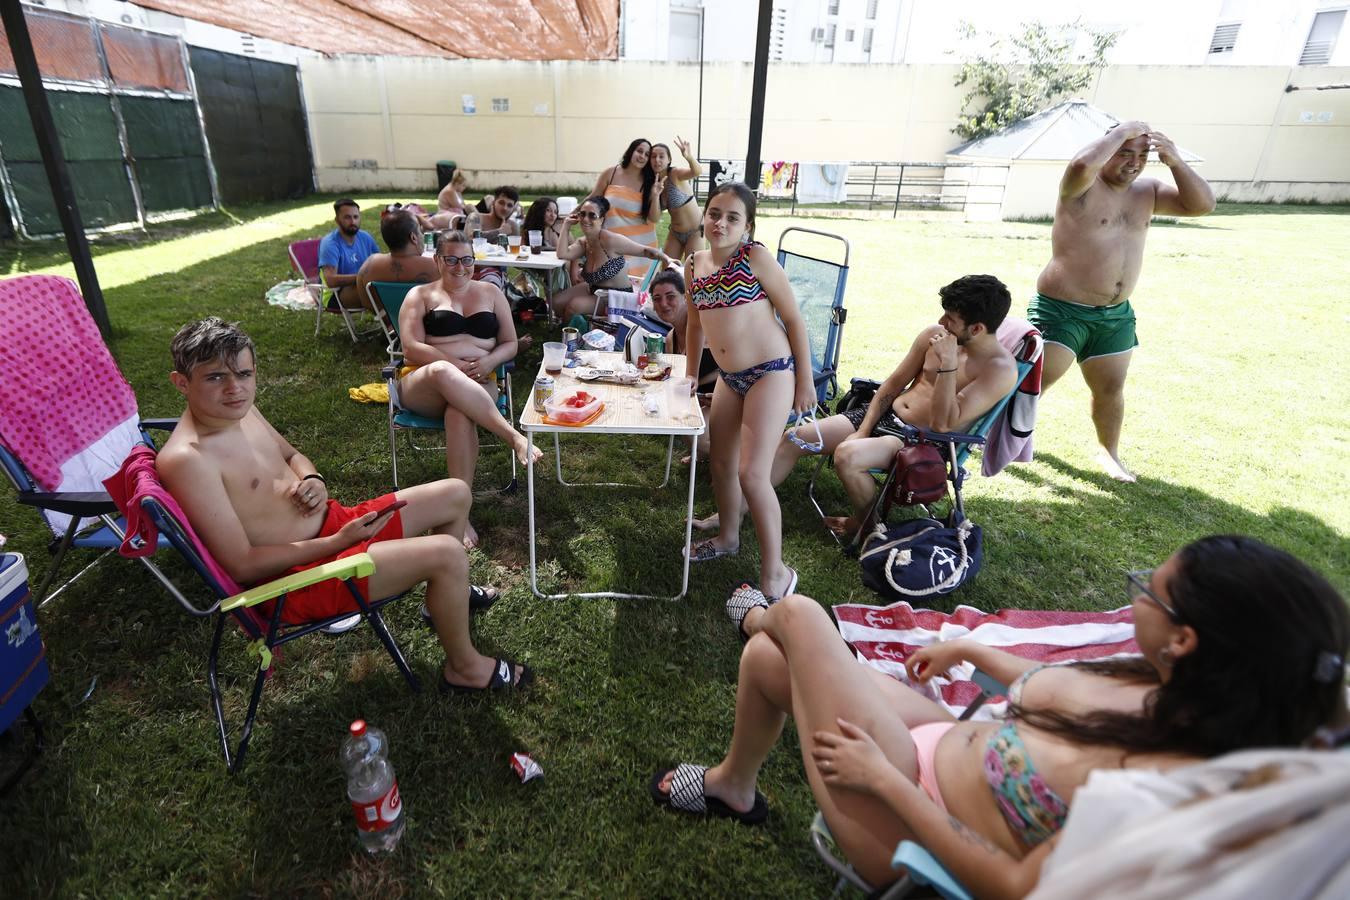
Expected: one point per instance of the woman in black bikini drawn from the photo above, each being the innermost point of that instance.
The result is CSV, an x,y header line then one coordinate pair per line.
x,y
455,332
602,259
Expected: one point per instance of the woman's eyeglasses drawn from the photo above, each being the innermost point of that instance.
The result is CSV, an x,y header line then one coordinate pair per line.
x,y
1136,585
458,260
588,216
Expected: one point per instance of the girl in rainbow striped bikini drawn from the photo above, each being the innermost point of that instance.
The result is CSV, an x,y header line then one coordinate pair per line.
x,y
764,356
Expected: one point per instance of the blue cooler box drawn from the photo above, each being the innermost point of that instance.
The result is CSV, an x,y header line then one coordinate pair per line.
x,y
23,659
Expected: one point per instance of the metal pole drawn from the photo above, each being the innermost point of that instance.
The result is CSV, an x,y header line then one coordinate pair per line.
x,y
58,176
757,94
698,138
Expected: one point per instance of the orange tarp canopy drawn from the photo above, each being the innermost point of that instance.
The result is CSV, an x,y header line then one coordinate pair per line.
x,y
486,29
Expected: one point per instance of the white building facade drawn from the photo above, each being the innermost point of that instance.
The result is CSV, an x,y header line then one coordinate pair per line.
x,y
1151,32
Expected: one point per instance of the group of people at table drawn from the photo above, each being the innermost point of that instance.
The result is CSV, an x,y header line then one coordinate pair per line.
x,y
1242,645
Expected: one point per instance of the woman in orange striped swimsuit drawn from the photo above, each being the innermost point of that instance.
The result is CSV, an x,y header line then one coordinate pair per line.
x,y
633,206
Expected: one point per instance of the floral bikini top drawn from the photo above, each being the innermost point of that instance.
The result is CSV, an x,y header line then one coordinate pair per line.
x,y
1030,806
731,285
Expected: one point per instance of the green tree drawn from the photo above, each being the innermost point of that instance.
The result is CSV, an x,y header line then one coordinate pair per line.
x,y
1010,77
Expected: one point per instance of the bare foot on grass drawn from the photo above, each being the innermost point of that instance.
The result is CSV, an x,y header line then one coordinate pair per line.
x,y
1115,468
470,536
708,524
521,446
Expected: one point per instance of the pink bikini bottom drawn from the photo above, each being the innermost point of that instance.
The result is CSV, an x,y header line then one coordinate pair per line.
x,y
926,739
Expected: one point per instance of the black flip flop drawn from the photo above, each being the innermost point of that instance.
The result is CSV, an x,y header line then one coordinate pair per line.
x,y
503,679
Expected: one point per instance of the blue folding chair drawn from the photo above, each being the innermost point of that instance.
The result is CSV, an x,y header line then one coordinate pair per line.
x,y
387,299
956,446
85,519
818,284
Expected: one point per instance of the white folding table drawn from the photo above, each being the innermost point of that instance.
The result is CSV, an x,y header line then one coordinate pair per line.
x,y
623,413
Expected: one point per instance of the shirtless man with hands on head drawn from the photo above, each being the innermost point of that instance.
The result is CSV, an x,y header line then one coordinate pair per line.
x,y
263,510
1082,305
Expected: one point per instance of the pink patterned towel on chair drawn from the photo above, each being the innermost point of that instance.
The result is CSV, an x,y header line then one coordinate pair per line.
x,y
883,636
65,410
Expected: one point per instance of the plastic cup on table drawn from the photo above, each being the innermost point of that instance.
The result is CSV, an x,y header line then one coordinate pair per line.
x,y
679,396
554,352
536,241
513,244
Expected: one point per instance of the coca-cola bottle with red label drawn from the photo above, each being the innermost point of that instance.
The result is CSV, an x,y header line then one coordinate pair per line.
x,y
372,788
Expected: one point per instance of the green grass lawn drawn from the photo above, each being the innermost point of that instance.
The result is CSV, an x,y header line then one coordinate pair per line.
x,y
1236,422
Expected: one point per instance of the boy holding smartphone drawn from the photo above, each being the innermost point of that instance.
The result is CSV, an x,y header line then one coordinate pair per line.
x,y
263,510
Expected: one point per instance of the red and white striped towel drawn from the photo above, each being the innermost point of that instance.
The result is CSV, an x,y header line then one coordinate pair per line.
x,y
884,636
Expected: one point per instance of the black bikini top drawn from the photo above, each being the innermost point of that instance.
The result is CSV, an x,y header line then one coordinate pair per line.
x,y
447,322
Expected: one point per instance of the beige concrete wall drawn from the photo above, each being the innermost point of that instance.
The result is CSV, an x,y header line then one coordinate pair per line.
x,y
383,122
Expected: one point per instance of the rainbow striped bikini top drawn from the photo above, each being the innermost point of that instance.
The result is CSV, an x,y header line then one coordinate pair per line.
x,y
731,285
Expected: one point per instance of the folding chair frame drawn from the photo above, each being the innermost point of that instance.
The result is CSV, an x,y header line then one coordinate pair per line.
x,y
955,447
277,632
320,289
85,508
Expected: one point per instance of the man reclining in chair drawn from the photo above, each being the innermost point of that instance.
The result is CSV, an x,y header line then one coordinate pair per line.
x,y
954,372
263,510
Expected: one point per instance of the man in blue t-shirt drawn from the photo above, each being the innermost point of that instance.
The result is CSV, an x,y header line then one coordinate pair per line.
x,y
341,253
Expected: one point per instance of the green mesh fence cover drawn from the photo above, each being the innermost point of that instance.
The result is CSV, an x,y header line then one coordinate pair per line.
x,y
255,125
164,137
88,134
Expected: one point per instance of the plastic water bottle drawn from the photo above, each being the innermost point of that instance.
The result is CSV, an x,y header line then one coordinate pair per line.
x,y
372,788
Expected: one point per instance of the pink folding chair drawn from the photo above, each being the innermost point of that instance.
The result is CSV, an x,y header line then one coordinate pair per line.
x,y
305,261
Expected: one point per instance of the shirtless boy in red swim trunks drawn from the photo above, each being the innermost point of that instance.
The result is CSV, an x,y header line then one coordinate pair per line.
x,y
263,510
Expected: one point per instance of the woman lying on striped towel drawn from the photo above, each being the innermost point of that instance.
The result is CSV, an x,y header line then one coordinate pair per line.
x,y
1242,646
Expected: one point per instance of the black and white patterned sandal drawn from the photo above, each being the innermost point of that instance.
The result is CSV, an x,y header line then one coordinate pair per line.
x,y
744,598
706,551
687,795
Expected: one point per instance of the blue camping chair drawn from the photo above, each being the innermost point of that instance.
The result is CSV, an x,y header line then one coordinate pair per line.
x,y
387,298
265,627
956,447
818,285
920,868
81,521
86,520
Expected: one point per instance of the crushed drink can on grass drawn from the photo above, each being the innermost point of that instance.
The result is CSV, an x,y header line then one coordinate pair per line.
x,y
525,767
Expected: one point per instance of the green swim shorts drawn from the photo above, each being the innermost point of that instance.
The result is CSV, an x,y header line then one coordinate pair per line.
x,y
1089,331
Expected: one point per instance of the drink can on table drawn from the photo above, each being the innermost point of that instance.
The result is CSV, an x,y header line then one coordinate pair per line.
x,y
572,338
543,389
655,346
